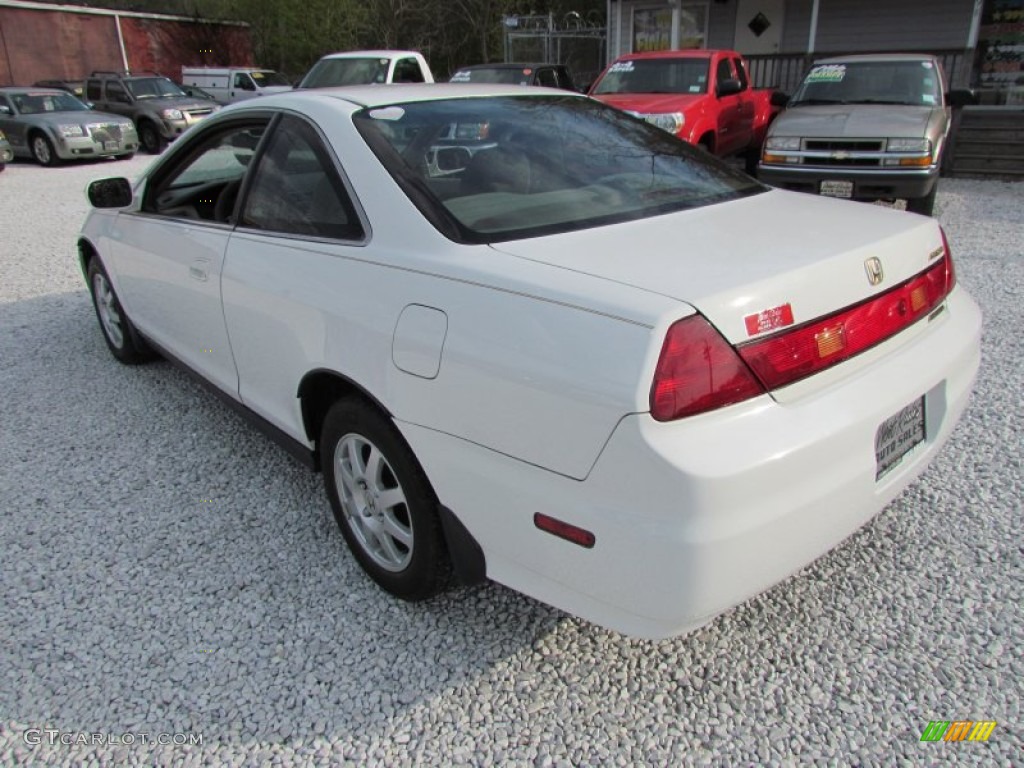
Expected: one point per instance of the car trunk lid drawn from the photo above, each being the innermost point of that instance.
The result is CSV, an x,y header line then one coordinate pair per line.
x,y
756,265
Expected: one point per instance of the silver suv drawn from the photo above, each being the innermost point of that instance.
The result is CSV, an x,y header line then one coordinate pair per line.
x,y
159,108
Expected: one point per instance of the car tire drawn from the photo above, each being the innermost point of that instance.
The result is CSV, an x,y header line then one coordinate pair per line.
x,y
150,139
923,205
382,501
42,150
123,340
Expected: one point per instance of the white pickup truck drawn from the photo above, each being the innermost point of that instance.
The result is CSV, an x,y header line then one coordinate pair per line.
x,y
367,67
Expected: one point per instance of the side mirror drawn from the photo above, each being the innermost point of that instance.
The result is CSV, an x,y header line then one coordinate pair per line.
x,y
961,98
779,99
729,87
110,193
5,110
247,85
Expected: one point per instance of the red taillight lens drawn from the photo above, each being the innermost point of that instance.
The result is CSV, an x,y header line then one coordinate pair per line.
x,y
788,357
698,371
947,259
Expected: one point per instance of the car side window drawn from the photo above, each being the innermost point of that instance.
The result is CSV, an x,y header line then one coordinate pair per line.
x,y
741,73
206,185
297,190
116,92
546,77
408,71
724,70
93,92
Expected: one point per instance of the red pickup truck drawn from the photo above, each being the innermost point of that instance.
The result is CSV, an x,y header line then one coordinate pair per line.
x,y
703,97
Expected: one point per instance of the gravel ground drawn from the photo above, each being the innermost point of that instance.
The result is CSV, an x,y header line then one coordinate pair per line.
x,y
166,570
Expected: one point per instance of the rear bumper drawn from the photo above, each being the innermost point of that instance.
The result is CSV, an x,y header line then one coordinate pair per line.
x,y
871,184
693,517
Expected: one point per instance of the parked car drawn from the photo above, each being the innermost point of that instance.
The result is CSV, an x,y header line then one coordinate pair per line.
x,y
159,108
74,87
704,97
229,84
197,93
569,368
865,127
50,125
549,75
6,154
367,67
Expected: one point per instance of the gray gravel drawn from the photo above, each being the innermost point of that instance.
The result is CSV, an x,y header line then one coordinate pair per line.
x,y
164,569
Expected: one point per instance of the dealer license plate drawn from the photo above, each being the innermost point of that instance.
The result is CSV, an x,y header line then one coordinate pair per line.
x,y
111,146
832,188
897,436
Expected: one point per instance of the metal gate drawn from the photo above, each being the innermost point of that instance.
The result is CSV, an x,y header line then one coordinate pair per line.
x,y
574,40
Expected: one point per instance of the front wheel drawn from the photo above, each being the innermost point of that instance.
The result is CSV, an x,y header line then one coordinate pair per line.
x,y
42,150
122,338
151,139
382,501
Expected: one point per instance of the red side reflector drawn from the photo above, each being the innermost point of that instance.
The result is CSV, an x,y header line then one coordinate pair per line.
x,y
564,530
793,355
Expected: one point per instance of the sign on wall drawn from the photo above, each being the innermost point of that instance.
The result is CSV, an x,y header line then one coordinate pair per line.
x,y
652,27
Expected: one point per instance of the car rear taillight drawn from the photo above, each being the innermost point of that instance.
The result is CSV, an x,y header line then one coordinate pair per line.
x,y
803,351
698,371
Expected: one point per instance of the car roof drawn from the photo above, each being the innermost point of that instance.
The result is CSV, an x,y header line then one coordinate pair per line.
x,y
868,57
372,54
384,95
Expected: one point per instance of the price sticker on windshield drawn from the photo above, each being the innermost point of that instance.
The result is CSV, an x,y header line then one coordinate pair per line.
x,y
827,73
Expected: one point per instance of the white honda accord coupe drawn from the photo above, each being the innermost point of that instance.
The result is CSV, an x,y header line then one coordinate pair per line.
x,y
529,338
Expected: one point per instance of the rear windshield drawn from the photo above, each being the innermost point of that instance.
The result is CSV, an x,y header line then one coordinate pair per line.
x,y
655,76
510,167
876,82
327,73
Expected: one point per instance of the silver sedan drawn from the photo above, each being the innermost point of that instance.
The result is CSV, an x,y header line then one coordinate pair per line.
x,y
50,125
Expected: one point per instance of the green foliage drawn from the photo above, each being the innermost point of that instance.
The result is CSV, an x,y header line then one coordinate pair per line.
x,y
289,35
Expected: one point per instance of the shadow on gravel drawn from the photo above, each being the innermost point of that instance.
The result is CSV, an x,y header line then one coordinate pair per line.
x,y
169,569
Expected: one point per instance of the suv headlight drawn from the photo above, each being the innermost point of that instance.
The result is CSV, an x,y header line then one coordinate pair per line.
x,y
909,145
172,114
2,137
782,143
67,131
127,127
667,121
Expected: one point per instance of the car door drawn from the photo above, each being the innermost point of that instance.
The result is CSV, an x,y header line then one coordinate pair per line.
x,y
169,259
116,99
288,265
730,137
747,105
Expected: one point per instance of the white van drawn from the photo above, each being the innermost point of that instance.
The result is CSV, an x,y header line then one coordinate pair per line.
x,y
228,84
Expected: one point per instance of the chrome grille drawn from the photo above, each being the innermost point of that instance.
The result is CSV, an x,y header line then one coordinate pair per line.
x,y
844,145
105,131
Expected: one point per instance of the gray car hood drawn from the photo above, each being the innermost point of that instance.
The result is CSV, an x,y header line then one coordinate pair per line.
x,y
854,121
